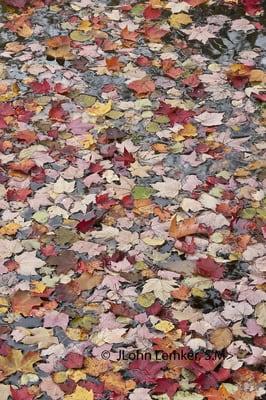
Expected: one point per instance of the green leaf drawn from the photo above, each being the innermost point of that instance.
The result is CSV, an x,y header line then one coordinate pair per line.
x,y
142,192
248,213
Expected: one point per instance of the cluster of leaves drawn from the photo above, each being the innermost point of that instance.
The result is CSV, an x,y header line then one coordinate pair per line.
x,y
132,199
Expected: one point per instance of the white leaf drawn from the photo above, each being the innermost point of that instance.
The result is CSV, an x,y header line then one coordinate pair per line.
x,y
62,186
210,119
160,287
28,262
169,188
190,205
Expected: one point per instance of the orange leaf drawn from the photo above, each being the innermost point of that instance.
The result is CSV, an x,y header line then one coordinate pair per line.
x,y
155,33
22,166
113,64
160,147
142,87
213,394
27,136
181,293
58,41
115,382
195,3
22,302
129,35
184,228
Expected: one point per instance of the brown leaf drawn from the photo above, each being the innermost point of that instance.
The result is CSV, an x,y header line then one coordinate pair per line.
x,y
184,228
23,302
221,338
64,262
115,382
142,87
95,367
89,281
17,361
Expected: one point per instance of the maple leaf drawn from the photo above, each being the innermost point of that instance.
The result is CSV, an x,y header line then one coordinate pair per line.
x,y
40,87
166,385
86,225
210,119
21,394
161,288
145,370
113,64
73,360
48,386
28,136
129,35
23,302
17,3
142,87
175,114
252,7
80,393
24,166
209,268
152,13
154,33
28,262
17,361
187,227
169,188
115,382
57,113
200,33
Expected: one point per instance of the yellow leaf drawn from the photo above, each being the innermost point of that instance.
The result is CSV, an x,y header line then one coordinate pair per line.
x,y
3,305
76,334
10,229
88,141
60,377
84,26
25,31
38,287
76,375
80,394
11,94
155,241
99,109
176,20
79,36
164,326
198,292
17,361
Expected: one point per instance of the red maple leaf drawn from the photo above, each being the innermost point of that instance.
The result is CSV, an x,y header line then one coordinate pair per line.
x,y
104,201
21,394
166,385
152,13
40,87
145,370
209,268
18,194
16,3
252,7
127,202
73,360
6,109
127,158
154,33
175,114
57,113
86,225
